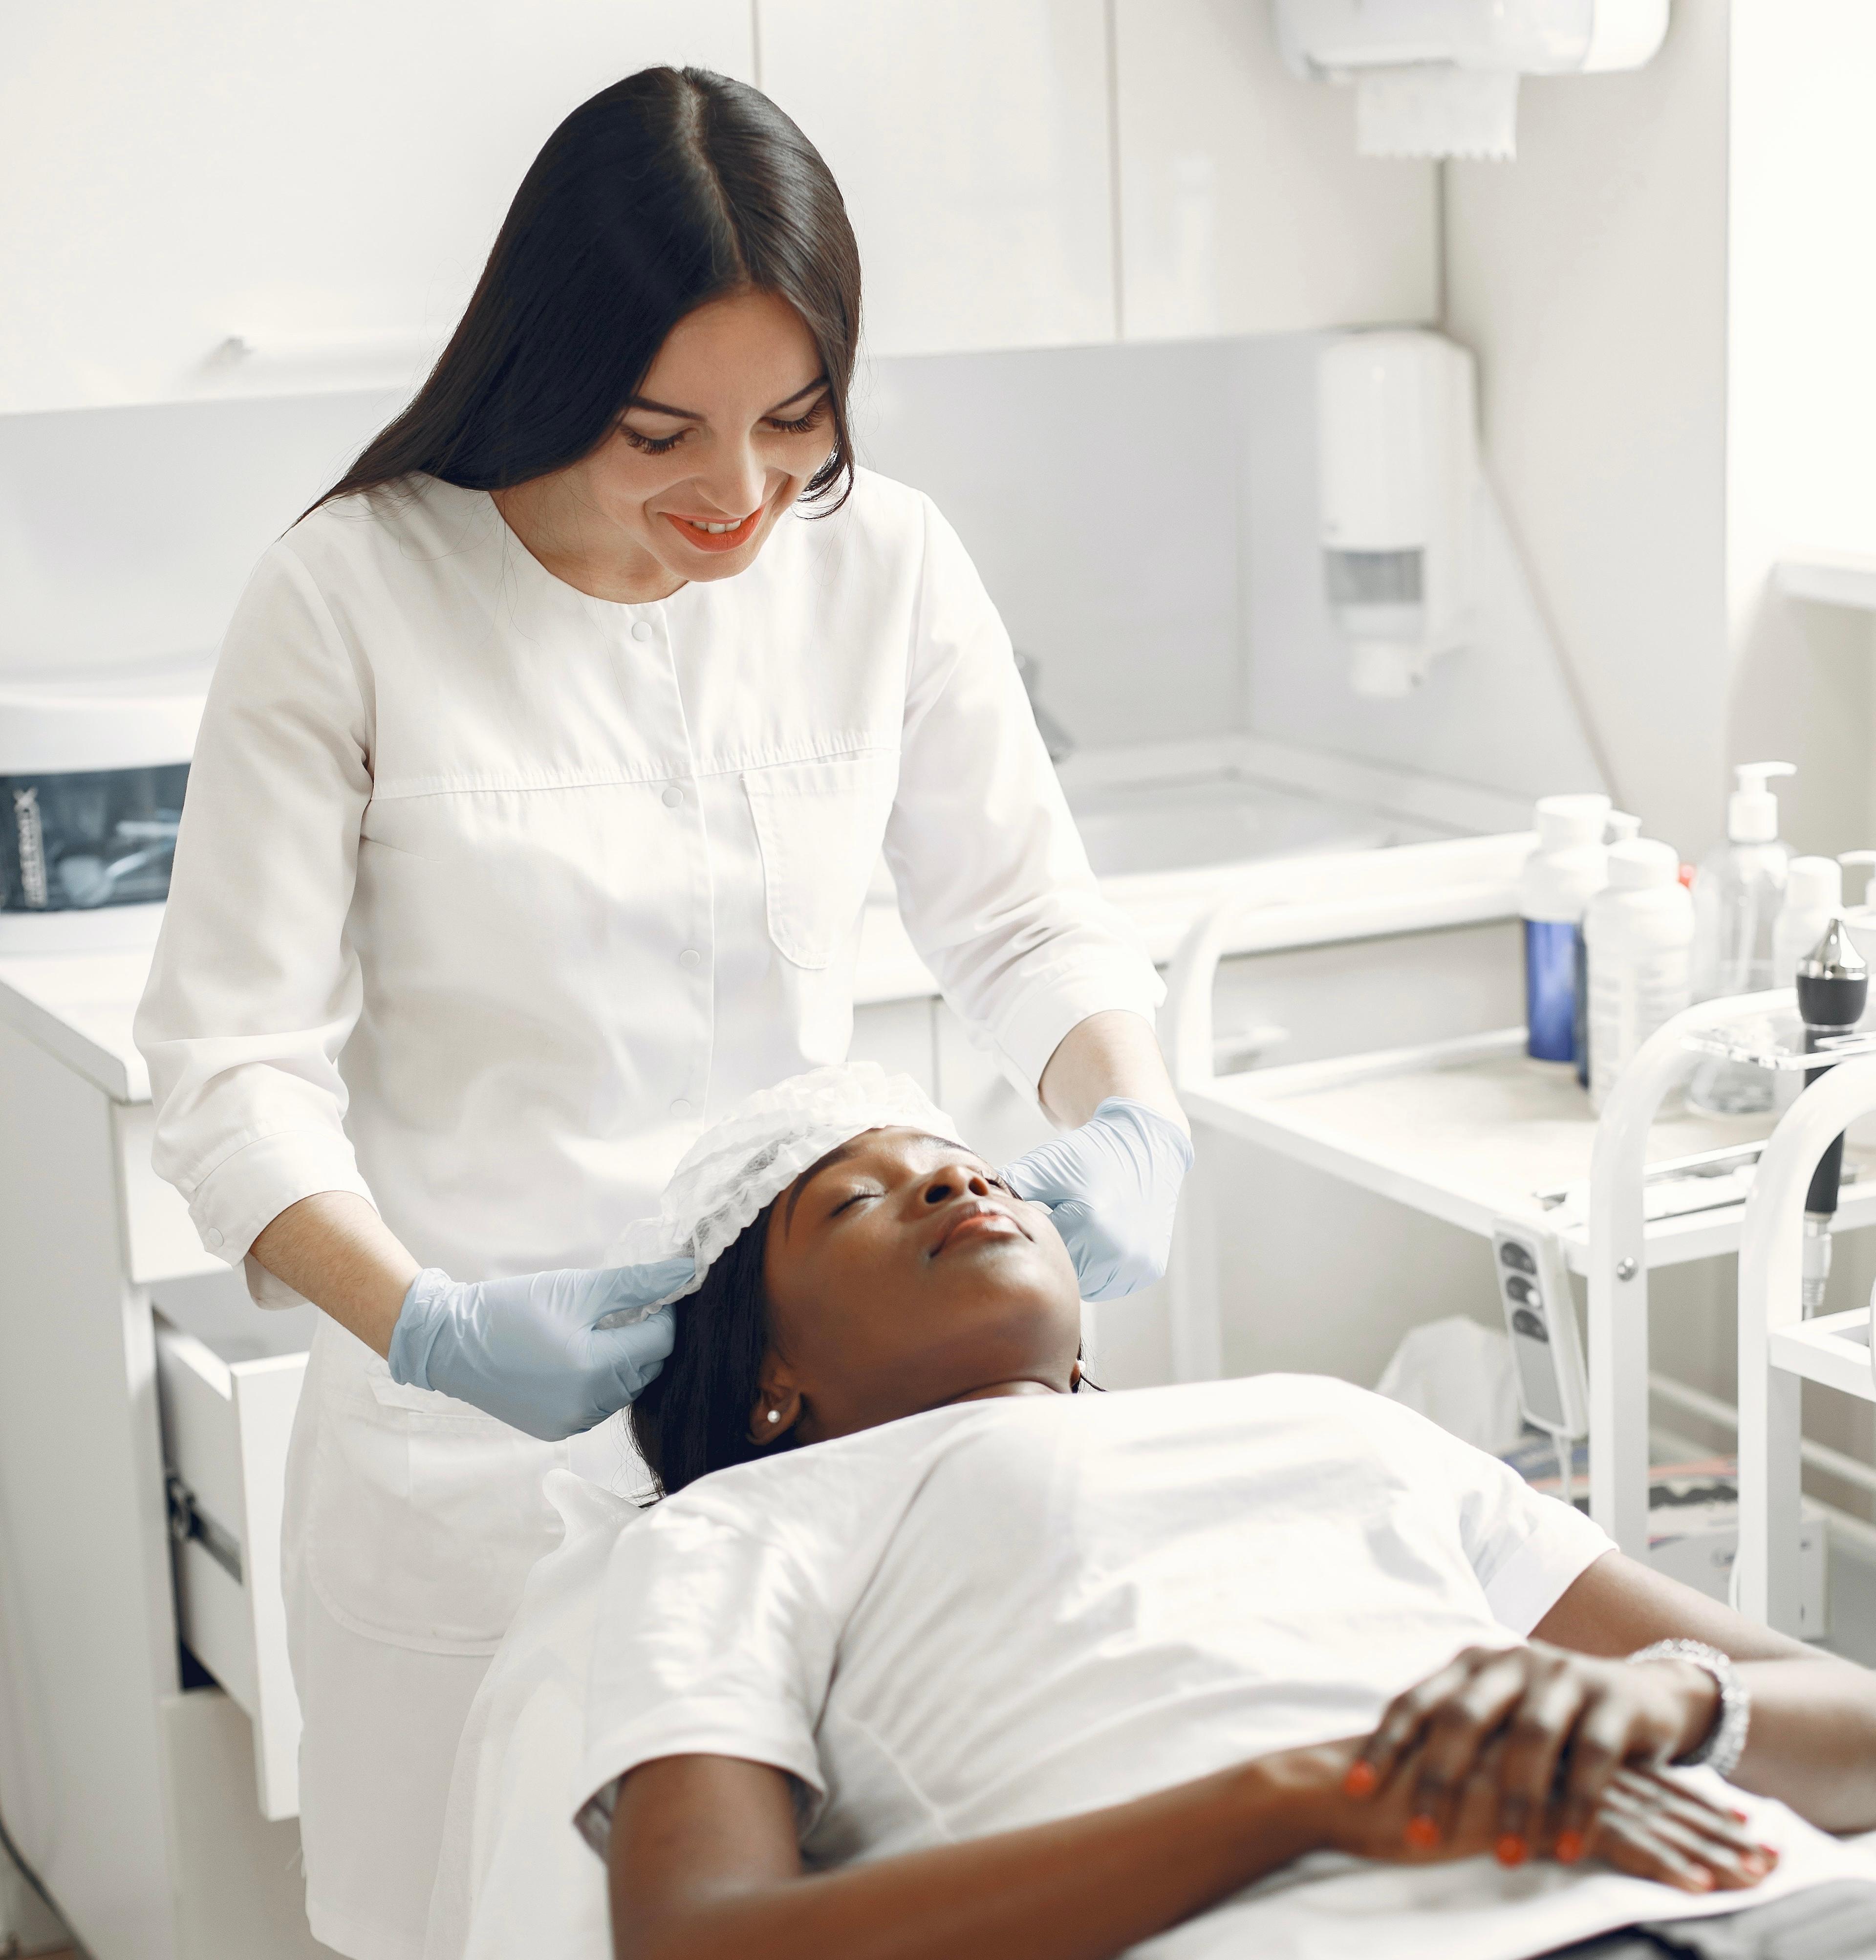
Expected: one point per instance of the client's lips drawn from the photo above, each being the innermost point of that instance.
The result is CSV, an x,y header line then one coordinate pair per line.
x,y
976,1218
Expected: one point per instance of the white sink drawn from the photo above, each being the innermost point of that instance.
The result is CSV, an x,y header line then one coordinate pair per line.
x,y
1134,827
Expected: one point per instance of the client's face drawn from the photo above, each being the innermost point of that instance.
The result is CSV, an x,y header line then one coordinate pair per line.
x,y
901,1274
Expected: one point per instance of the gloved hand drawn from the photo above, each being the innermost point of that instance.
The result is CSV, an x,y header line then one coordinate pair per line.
x,y
1111,1187
527,1351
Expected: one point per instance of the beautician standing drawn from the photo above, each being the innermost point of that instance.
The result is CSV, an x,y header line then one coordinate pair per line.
x,y
530,826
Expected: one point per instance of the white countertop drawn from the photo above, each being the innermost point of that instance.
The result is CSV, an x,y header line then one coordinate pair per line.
x,y
80,1005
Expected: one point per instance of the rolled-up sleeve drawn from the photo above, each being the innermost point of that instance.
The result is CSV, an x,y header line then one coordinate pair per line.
x,y
993,882
254,989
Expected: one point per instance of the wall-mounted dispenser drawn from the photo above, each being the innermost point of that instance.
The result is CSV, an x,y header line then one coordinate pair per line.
x,y
1439,78
1397,476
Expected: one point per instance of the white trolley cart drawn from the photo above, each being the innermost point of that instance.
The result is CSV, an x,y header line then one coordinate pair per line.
x,y
1779,1351
1471,1132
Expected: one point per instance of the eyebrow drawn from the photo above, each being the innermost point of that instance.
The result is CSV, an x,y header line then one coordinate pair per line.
x,y
838,1155
692,416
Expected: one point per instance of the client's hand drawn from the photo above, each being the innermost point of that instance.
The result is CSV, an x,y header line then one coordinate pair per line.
x,y
529,1350
1553,1721
1112,1188
1643,1823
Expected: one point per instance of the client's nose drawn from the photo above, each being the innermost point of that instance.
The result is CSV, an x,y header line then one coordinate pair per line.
x,y
946,1185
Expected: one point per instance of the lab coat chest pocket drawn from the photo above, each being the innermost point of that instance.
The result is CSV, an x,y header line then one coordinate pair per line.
x,y
819,826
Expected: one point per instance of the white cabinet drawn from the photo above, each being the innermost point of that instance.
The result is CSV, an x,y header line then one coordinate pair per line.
x,y
970,141
1244,207
322,181
323,184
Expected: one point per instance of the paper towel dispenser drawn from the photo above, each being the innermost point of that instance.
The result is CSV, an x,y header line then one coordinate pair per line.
x,y
1439,78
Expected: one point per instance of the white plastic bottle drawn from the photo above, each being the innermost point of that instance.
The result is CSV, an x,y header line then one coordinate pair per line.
x,y
1814,896
1737,894
1567,869
1639,933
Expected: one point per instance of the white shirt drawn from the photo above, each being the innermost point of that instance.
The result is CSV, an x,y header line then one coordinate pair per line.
x,y
490,895
1007,1611
1003,1613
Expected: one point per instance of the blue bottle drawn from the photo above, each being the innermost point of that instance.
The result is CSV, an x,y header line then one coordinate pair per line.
x,y
1570,866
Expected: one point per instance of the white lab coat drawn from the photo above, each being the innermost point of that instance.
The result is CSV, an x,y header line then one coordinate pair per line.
x,y
489,896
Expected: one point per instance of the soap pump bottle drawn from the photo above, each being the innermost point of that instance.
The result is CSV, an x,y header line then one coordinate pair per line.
x,y
1737,892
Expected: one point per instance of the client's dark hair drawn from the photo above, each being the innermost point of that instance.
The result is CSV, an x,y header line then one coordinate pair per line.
x,y
694,1418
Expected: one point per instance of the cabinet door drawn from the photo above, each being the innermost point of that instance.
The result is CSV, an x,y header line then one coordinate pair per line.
x,y
970,141
322,182
1244,207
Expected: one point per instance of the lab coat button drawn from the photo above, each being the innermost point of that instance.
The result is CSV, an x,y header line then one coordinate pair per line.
x,y
680,1108
214,1237
672,797
690,957
640,631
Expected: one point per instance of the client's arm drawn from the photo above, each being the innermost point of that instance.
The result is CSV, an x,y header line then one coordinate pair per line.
x,y
1561,1709
705,1863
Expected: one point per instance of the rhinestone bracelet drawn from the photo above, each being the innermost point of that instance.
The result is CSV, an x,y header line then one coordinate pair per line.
x,y
1724,1743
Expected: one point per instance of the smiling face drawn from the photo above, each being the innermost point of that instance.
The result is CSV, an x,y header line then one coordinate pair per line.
x,y
901,1274
732,420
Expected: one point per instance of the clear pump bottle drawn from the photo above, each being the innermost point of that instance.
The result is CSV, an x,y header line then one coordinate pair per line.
x,y
1738,893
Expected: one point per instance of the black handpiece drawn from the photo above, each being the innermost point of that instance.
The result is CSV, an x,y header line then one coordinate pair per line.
x,y
1833,991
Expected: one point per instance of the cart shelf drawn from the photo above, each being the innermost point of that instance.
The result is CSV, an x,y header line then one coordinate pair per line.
x,y
1471,1130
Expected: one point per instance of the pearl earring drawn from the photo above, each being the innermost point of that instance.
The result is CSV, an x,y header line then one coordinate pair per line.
x,y
774,1415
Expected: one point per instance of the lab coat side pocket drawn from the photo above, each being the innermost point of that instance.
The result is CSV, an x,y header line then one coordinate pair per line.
x,y
424,1516
820,825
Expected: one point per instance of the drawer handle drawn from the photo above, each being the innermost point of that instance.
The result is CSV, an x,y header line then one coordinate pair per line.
x,y
187,1522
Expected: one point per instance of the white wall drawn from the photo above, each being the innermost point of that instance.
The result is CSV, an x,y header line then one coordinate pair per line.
x,y
1144,515
1096,489
1802,398
1589,277
125,532
1498,712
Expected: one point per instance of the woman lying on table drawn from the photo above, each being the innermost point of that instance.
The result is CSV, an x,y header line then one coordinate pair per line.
x,y
926,1653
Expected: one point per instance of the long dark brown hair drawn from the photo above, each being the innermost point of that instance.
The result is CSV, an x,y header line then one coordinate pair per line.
x,y
694,1417
672,188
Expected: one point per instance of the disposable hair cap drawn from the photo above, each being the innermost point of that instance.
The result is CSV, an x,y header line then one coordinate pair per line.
x,y
743,1163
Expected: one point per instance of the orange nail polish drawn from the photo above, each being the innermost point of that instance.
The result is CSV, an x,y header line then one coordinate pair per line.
x,y
1511,1850
1570,1846
1423,1833
1361,1780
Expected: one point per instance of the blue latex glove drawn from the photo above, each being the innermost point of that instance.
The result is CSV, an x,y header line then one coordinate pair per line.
x,y
1111,1187
527,1351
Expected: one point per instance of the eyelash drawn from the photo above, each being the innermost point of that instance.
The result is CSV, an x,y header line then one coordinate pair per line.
x,y
662,445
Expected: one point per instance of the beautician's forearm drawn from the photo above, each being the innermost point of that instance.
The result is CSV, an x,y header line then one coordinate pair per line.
x,y
1114,1053
1085,1888
335,1249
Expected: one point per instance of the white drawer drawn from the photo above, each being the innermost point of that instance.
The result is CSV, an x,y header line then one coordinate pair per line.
x,y
225,1428
160,1240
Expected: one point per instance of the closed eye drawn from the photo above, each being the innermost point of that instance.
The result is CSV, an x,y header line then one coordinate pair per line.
x,y
845,1202
809,419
